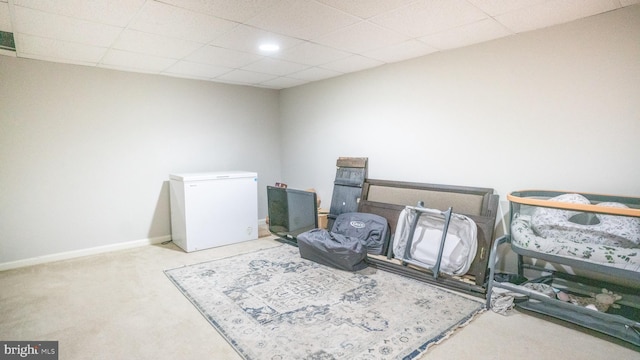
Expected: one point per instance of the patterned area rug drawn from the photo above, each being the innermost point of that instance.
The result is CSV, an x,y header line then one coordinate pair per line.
x,y
272,304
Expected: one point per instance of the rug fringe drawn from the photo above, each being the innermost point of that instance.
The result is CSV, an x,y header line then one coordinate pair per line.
x,y
448,333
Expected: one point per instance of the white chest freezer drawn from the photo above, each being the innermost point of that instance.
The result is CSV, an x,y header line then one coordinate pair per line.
x,y
213,209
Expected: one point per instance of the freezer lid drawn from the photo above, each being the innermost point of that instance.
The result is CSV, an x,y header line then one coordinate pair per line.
x,y
216,175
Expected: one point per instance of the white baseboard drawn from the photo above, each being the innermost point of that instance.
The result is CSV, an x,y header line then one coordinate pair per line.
x,y
83,252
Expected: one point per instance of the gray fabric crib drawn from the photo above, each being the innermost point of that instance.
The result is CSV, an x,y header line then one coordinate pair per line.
x,y
578,244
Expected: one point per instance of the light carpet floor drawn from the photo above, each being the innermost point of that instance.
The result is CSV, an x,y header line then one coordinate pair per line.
x,y
120,305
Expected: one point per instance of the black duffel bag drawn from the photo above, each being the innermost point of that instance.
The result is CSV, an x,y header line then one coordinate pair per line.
x,y
332,249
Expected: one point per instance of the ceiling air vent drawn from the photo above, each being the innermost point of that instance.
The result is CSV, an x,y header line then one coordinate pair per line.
x,y
6,41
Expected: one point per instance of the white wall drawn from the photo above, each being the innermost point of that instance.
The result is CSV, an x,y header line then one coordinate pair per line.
x,y
86,153
554,109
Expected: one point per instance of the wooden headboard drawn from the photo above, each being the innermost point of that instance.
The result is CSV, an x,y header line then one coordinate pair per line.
x,y
389,198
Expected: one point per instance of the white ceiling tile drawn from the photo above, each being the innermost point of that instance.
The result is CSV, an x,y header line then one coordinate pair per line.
x,y
218,56
426,17
112,12
304,19
56,59
187,76
312,54
58,49
330,37
133,61
477,32
275,67
235,10
246,77
402,51
366,8
247,38
553,12
196,70
314,74
283,82
171,21
352,64
264,86
140,42
361,37
38,23
497,7
5,18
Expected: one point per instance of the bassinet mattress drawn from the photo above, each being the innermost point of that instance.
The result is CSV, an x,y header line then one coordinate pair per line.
x,y
523,236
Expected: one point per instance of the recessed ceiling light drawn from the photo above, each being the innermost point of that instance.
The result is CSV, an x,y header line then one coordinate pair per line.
x,y
269,47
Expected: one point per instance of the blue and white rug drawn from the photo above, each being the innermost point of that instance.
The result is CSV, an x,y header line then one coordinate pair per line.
x,y
271,304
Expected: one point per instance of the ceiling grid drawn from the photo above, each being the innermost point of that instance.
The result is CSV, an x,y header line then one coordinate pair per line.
x,y
219,40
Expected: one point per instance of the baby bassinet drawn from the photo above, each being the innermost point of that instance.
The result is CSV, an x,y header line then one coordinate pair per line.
x,y
586,242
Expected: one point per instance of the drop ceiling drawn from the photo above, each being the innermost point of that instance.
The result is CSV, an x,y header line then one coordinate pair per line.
x,y
218,40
